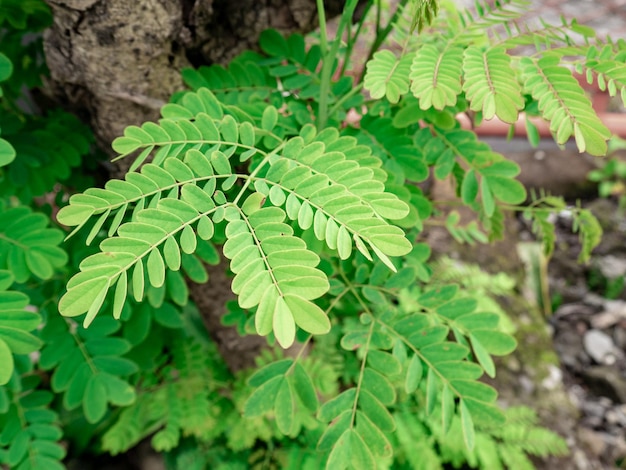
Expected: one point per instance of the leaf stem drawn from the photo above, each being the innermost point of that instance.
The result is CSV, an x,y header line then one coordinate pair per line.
x,y
308,340
321,14
381,35
328,61
264,162
352,290
355,89
353,38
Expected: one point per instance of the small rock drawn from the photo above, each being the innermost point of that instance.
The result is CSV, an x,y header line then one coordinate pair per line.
x,y
604,320
619,335
611,266
617,307
599,346
527,384
606,382
593,441
576,309
592,422
594,300
593,408
605,401
554,378
621,414
577,395
611,417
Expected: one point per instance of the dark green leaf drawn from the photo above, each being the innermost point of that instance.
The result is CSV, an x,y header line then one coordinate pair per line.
x,y
379,386
95,400
270,371
376,411
467,425
414,374
495,342
263,398
285,408
303,386
334,407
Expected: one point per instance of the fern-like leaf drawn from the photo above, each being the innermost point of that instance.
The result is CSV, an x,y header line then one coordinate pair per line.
x,y
610,70
30,429
424,13
436,76
167,225
16,324
341,199
490,85
47,152
387,75
28,247
562,102
275,271
323,180
89,367
358,417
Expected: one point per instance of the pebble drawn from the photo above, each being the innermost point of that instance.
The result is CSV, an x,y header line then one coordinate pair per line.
x,y
527,384
616,307
594,300
604,320
599,346
554,378
611,266
593,409
594,441
573,310
619,335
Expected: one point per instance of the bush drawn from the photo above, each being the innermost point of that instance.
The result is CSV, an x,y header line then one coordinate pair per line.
x,y
322,219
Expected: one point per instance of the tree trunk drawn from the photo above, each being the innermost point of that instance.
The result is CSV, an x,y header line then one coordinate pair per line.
x,y
116,62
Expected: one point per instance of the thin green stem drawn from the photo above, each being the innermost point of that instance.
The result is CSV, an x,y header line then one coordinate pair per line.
x,y
321,13
329,60
381,35
256,172
361,374
353,38
356,89
308,340
352,290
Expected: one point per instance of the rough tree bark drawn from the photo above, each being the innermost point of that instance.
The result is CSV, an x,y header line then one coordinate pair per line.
x,y
116,62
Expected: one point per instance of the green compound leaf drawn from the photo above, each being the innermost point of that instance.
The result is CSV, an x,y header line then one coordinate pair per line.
x,y
386,75
436,76
563,102
28,245
342,199
490,85
16,325
274,271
